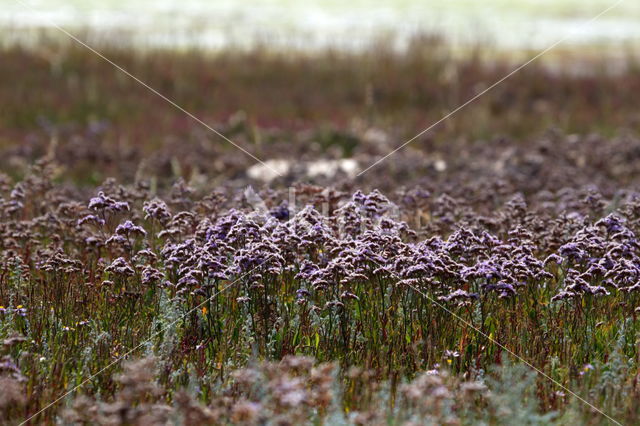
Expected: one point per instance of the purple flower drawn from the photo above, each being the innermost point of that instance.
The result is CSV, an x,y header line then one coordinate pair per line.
x,y
458,294
105,203
127,228
572,251
151,275
121,267
156,209
612,223
281,212
91,219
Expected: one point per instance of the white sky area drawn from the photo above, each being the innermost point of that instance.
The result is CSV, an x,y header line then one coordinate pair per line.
x,y
311,23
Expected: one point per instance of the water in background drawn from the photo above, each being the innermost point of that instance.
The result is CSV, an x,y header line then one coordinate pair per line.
x,y
509,24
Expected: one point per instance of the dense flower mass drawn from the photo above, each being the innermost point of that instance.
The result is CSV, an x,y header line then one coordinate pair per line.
x,y
210,279
487,272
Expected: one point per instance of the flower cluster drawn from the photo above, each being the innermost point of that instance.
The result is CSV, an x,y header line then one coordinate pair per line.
x,y
314,270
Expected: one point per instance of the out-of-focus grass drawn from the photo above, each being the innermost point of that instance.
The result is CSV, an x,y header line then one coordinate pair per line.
x,y
62,83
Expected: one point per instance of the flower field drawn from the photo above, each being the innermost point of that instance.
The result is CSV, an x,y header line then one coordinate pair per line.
x,y
492,279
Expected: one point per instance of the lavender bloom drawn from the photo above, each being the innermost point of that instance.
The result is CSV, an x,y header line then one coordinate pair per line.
x,y
612,223
459,294
553,258
151,275
127,228
121,267
117,240
148,254
572,251
563,295
281,212
91,219
105,203
156,209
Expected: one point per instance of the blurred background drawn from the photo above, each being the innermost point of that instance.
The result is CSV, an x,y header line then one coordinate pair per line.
x,y
303,79
308,24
